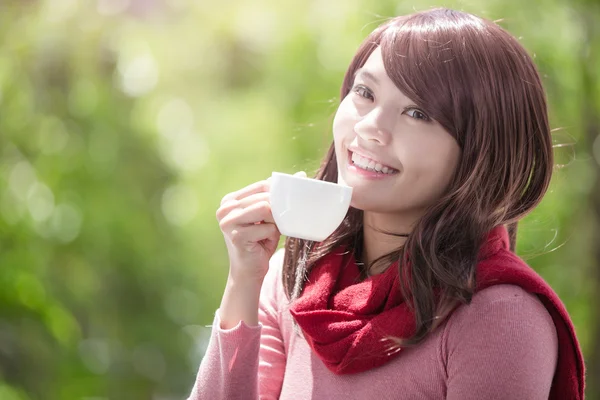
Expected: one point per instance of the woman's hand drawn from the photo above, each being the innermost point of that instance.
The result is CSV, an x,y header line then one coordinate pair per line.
x,y
246,220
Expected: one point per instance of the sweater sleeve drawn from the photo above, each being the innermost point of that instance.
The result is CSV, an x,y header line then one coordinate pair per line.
x,y
502,346
246,362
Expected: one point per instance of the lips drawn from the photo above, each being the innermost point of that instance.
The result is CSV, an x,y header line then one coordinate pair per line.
x,y
368,162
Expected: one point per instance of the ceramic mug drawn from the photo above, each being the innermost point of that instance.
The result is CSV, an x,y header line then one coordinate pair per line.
x,y
307,208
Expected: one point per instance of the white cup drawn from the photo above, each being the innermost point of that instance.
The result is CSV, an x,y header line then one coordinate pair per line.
x,y
308,208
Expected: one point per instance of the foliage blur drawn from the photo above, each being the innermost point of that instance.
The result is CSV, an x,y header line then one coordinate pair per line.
x,y
124,122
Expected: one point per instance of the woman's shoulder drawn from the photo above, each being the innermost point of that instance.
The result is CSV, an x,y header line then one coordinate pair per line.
x,y
506,312
505,293
502,303
504,340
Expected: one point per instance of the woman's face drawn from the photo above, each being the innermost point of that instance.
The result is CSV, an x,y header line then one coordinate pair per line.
x,y
396,158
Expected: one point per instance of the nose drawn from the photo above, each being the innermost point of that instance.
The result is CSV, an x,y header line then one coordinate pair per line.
x,y
374,128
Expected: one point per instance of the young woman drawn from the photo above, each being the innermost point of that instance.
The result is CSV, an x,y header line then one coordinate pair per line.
x,y
443,133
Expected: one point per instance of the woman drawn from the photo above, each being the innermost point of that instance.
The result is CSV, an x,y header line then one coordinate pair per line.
x,y
443,134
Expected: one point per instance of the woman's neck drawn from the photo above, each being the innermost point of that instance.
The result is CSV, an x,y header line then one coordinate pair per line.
x,y
376,242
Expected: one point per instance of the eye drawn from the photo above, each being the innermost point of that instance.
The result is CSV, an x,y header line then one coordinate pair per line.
x,y
363,91
417,114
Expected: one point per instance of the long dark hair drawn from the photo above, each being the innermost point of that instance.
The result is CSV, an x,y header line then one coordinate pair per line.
x,y
481,85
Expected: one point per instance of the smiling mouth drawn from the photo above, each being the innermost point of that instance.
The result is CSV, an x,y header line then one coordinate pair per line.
x,y
370,165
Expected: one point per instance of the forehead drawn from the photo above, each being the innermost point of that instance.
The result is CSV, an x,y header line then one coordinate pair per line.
x,y
374,71
374,64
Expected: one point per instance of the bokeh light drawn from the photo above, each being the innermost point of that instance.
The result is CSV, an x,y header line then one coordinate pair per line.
x,y
124,123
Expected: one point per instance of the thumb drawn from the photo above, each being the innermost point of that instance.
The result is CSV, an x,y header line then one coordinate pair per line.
x,y
301,174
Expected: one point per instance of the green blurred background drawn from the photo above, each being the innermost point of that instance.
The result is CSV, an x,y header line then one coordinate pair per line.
x,y
124,122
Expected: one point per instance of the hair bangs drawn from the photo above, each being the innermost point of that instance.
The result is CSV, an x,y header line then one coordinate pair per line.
x,y
427,59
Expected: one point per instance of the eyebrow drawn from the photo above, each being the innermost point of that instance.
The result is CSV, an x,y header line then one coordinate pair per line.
x,y
366,74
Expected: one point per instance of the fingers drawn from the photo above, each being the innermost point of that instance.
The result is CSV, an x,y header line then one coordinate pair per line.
x,y
246,202
256,233
257,187
246,207
250,205
255,213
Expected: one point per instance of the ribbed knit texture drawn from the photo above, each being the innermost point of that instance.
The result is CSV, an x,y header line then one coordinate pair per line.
x,y
501,346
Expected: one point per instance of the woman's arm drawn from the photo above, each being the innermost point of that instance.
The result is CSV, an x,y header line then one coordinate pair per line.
x,y
501,346
246,361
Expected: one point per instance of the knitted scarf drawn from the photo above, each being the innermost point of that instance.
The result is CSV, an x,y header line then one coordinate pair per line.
x,y
344,319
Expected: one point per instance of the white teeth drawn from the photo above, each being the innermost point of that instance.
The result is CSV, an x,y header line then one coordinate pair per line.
x,y
368,164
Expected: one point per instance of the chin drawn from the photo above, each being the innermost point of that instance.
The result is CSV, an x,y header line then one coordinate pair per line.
x,y
368,204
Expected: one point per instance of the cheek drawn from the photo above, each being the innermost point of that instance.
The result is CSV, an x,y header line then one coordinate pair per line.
x,y
337,134
451,153
345,118
432,161
337,123
446,164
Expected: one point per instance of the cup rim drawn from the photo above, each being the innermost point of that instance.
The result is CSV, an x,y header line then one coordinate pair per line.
x,y
317,181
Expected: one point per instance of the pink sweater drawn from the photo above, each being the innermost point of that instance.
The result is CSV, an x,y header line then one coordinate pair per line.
x,y
501,346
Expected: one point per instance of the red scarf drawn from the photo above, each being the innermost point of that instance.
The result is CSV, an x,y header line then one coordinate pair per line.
x,y
343,320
